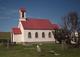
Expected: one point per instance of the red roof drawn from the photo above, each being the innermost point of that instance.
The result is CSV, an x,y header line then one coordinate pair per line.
x,y
23,9
38,24
16,30
55,26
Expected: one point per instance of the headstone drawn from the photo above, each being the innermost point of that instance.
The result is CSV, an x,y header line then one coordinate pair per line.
x,y
38,48
76,34
53,52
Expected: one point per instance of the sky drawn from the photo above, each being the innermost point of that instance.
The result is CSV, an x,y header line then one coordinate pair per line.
x,y
53,10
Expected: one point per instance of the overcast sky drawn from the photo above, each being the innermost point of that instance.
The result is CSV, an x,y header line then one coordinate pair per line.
x,y
53,10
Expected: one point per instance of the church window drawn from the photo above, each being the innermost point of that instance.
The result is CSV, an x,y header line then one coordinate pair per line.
x,y
36,34
29,34
49,34
43,35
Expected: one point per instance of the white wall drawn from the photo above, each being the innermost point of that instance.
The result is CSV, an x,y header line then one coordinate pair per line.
x,y
22,31
17,38
23,37
39,39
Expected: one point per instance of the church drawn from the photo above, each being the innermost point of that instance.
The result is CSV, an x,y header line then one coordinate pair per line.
x,y
32,30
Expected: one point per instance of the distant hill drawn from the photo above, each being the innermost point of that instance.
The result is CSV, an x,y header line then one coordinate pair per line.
x,y
5,35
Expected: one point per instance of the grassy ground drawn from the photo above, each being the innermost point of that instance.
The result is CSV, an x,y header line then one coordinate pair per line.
x,y
5,35
30,51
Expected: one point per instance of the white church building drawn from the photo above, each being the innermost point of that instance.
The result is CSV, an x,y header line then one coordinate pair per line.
x,y
30,30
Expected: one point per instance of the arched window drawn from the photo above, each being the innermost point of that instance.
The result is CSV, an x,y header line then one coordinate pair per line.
x,y
29,34
43,35
36,34
22,14
49,34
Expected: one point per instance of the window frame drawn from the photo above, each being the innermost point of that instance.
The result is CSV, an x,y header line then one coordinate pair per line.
x,y
43,35
36,34
49,35
29,34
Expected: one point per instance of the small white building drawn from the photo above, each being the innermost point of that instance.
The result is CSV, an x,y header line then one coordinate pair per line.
x,y
31,30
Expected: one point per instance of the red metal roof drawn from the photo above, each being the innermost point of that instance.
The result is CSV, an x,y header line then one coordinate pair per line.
x,y
38,24
23,9
55,26
16,30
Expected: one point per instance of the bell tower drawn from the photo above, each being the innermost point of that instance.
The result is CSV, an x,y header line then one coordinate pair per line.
x,y
22,14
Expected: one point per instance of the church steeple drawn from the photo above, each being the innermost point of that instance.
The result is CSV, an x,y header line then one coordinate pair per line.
x,y
22,13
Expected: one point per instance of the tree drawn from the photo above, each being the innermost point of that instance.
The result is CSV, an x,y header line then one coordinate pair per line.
x,y
59,35
71,25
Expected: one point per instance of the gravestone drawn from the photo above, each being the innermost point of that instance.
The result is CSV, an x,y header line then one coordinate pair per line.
x,y
38,48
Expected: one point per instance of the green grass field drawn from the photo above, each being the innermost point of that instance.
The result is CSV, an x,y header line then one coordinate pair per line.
x,y
30,51
5,35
